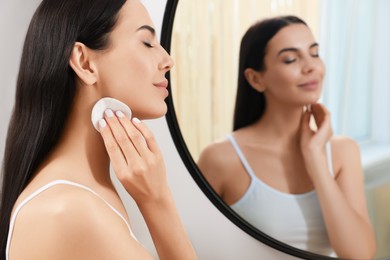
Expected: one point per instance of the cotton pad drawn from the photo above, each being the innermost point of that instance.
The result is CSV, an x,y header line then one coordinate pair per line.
x,y
107,103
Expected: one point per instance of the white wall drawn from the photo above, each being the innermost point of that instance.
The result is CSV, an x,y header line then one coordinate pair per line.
x,y
213,236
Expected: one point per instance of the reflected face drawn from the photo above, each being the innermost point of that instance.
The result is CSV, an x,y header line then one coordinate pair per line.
x,y
133,67
293,69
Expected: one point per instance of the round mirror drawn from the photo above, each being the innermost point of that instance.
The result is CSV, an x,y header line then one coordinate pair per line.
x,y
203,37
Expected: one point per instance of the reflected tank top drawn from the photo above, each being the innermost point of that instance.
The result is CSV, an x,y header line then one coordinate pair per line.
x,y
294,219
47,186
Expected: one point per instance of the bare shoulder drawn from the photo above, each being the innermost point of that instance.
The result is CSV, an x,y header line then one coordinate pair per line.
x,y
346,155
216,152
216,156
345,147
66,222
217,162
344,144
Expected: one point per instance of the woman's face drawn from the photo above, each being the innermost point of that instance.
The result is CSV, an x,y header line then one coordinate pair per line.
x,y
133,67
293,69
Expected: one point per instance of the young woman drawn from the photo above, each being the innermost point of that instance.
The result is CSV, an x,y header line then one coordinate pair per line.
x,y
298,184
58,201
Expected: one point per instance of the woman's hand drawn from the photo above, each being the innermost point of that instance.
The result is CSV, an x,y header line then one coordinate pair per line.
x,y
135,156
314,141
139,166
341,196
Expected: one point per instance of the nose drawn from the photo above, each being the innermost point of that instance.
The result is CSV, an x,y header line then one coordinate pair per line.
x,y
309,66
166,61
311,63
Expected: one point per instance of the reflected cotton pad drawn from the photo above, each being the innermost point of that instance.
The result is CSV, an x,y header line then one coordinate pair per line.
x,y
107,103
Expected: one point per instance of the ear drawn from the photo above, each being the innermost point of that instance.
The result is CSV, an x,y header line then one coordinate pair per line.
x,y
80,61
255,79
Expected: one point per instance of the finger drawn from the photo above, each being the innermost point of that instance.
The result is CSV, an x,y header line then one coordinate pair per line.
x,y
319,114
305,120
305,125
147,134
135,135
121,136
323,121
112,147
305,130
325,127
323,111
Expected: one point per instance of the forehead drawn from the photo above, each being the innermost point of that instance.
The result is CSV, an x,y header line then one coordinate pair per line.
x,y
132,15
294,35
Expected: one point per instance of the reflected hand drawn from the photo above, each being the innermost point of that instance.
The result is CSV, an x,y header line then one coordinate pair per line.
x,y
312,142
135,157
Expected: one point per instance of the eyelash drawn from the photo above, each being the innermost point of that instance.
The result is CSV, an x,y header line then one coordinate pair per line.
x,y
317,55
148,44
289,61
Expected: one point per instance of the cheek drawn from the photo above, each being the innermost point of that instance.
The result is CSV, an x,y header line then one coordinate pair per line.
x,y
121,74
129,76
322,69
283,85
284,79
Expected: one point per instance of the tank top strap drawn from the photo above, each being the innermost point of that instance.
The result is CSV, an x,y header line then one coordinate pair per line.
x,y
47,186
329,158
241,156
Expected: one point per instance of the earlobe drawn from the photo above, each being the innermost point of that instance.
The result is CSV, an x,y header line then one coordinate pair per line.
x,y
254,79
82,65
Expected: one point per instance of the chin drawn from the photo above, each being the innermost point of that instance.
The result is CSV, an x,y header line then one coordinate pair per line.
x,y
311,99
152,112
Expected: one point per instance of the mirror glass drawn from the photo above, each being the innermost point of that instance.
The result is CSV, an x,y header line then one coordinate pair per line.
x,y
354,44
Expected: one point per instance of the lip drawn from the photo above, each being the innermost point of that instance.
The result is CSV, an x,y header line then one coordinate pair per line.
x,y
309,85
162,84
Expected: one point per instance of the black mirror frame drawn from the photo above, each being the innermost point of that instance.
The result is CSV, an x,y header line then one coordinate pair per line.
x,y
166,35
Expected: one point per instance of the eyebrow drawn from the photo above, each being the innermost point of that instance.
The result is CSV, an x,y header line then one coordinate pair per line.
x,y
148,28
295,49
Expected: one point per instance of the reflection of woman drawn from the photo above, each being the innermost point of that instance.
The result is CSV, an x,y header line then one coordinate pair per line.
x,y
299,185
56,165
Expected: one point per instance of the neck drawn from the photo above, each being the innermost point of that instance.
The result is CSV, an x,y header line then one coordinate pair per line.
x,y
281,122
81,152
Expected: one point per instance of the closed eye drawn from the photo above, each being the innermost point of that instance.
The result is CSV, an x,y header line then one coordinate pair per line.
x,y
316,55
148,44
288,61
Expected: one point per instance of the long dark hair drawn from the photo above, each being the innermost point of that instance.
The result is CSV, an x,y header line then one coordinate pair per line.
x,y
46,88
250,104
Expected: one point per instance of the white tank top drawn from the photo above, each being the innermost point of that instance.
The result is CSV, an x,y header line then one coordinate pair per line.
x,y
47,186
294,219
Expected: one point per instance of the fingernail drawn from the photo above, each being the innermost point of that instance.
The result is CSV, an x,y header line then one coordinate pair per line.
x,y
119,114
102,123
136,120
109,113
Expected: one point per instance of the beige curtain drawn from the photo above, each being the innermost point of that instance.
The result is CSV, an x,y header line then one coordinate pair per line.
x,y
205,46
